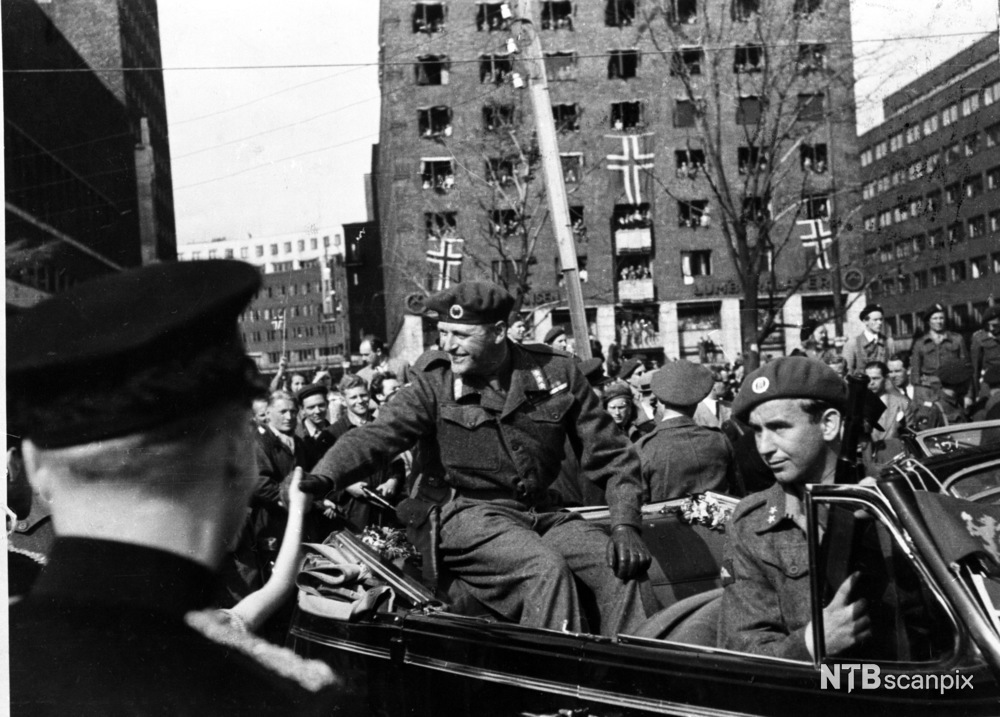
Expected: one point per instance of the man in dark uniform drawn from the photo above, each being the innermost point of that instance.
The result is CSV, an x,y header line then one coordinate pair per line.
x,y
495,417
985,350
680,457
794,407
131,394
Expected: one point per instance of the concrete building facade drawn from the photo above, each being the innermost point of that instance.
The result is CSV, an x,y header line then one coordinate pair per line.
x,y
931,191
658,278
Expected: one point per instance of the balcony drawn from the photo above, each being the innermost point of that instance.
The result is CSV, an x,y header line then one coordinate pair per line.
x,y
633,240
630,290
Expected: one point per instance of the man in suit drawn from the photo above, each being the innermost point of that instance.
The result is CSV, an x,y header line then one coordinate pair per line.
x,y
131,394
885,440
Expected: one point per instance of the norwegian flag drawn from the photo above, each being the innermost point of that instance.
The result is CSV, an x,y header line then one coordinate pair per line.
x,y
816,240
278,322
445,258
631,168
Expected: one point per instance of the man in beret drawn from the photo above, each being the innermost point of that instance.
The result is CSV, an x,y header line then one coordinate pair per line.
x,y
871,344
985,350
794,406
955,375
680,457
131,394
931,351
313,431
493,418
556,338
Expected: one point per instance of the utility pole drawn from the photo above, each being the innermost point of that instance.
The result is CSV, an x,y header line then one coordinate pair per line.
x,y
144,173
555,188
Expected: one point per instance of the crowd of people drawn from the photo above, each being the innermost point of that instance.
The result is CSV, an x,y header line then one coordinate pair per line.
x,y
484,440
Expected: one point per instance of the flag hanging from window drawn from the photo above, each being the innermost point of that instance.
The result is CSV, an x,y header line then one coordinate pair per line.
x,y
446,263
631,165
279,321
816,240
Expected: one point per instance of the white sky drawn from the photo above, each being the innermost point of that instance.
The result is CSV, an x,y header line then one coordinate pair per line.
x,y
284,151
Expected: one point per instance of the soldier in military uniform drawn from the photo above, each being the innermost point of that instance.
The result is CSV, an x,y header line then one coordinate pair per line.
x,y
794,407
131,394
494,417
985,350
954,376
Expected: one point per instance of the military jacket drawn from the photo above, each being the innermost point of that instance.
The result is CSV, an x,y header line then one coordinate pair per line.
x,y
680,458
767,600
985,353
926,356
107,630
491,445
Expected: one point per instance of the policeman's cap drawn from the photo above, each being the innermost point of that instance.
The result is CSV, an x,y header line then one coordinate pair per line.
x,y
871,309
790,377
954,372
313,389
471,302
130,351
682,383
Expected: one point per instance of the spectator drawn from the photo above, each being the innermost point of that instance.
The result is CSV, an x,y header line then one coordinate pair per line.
x,y
377,361
871,344
556,338
931,351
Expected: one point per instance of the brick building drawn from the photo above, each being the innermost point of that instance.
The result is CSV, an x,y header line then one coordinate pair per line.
x,y
658,275
931,190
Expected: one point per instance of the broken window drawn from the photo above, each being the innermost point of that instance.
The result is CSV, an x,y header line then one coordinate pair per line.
x,y
813,157
692,214
567,117
560,66
685,112
749,110
619,13
437,174
811,58
504,223
557,15
429,16
432,70
743,10
690,162
816,206
489,16
687,61
500,170
749,58
806,7
497,116
626,115
623,64
434,121
572,166
495,69
811,107
682,12
440,225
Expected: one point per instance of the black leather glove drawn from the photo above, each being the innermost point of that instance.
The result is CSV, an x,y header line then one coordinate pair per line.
x,y
628,556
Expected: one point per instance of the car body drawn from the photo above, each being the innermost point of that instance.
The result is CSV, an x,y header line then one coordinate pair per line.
x,y
938,617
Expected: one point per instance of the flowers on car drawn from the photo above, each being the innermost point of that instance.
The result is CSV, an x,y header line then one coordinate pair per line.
x,y
706,509
389,543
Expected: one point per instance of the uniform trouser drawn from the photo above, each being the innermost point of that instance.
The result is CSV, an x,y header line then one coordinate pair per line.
x,y
526,565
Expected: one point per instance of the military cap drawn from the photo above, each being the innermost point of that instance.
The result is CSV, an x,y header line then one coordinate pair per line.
x,y
682,383
869,310
933,309
593,369
617,389
130,351
553,333
954,372
629,367
312,389
991,313
992,376
471,302
790,377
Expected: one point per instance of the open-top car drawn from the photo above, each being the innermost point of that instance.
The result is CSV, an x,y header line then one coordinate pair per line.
x,y
926,538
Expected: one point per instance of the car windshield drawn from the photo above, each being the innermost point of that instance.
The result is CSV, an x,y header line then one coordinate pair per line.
x,y
950,439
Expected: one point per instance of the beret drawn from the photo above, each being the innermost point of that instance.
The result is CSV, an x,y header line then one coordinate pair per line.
x,y
991,313
616,389
129,351
682,383
992,376
471,302
553,333
954,372
593,369
869,310
935,308
628,367
790,377
312,389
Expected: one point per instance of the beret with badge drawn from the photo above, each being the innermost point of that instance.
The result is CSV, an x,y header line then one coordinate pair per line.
x,y
470,302
130,351
790,377
682,383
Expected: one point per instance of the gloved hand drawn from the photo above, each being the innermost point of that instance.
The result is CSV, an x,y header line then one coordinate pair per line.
x,y
628,556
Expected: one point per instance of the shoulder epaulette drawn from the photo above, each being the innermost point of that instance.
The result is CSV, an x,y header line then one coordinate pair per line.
x,y
749,504
217,626
429,359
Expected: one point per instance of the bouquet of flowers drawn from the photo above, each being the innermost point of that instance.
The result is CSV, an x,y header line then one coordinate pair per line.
x,y
389,543
707,509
